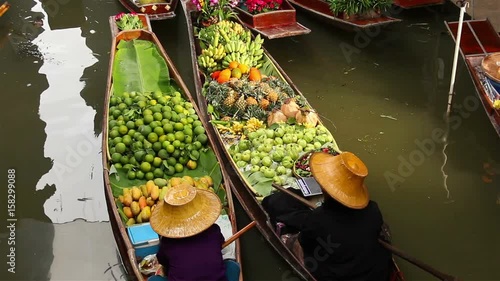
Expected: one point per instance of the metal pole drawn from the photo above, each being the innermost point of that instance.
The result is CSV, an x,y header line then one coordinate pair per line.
x,y
464,5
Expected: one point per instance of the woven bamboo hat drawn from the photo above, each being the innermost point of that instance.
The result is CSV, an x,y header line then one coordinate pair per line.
x,y
342,177
491,66
185,211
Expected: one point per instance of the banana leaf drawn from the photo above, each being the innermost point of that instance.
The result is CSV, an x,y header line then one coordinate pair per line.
x,y
262,185
139,67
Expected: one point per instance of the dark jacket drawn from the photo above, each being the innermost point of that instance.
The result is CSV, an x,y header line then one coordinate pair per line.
x,y
341,244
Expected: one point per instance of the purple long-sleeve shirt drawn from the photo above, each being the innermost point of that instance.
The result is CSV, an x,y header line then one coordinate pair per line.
x,y
196,258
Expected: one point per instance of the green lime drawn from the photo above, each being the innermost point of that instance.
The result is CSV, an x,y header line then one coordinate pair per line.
x,y
117,140
190,120
188,105
118,165
128,101
131,132
157,95
158,173
131,160
145,130
170,170
123,129
165,144
114,133
139,155
187,131
147,112
157,162
202,138
139,138
167,115
139,174
139,122
112,123
148,119
184,121
171,161
163,154
120,147
170,137
175,117
112,101
145,167
149,176
179,136
183,160
170,148
159,131
149,158
198,130
178,126
177,100
156,108
130,124
152,137
157,146
194,155
196,123
176,154
166,108
137,145
155,124
158,116
179,167
176,143
115,157
162,100
168,128
131,175
188,139
122,106
162,138
124,159
127,140
141,104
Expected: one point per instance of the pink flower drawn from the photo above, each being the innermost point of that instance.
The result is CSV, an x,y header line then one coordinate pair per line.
x,y
119,16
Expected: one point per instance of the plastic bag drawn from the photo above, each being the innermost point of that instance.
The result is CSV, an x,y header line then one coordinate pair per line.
x,y
149,265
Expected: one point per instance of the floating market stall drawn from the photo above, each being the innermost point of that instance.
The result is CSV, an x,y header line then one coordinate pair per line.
x,y
155,9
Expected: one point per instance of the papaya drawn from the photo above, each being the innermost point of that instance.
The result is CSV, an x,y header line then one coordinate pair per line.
x,y
203,186
209,179
144,190
127,199
128,212
149,186
120,198
155,193
136,209
175,181
126,191
138,219
160,182
163,192
136,193
142,202
146,214
188,180
205,181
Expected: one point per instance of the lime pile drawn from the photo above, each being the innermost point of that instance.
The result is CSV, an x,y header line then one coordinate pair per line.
x,y
154,135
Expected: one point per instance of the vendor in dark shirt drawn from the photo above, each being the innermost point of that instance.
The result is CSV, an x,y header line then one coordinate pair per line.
x,y
339,239
191,242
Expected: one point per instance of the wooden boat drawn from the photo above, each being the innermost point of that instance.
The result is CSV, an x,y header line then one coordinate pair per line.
x,y
275,24
479,39
157,11
321,10
124,244
410,4
4,7
143,17
242,189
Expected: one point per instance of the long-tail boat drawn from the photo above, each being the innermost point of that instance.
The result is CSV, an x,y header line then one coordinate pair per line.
x,y
160,10
115,208
321,10
245,189
273,24
479,41
410,4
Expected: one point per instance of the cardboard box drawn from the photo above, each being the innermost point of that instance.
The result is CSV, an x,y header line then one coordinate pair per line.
x,y
145,240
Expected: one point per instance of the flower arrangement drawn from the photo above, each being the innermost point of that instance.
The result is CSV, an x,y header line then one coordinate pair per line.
x,y
358,7
128,21
213,11
262,6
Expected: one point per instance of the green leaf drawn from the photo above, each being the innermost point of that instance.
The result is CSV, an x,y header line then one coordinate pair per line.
x,y
119,180
268,68
261,184
138,66
207,165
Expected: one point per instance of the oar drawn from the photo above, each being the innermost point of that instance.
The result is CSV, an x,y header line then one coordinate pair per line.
x,y
396,251
238,234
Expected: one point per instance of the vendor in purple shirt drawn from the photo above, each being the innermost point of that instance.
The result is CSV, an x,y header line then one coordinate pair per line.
x,y
191,242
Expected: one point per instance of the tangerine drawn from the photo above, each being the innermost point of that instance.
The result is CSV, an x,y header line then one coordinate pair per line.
x,y
244,68
234,64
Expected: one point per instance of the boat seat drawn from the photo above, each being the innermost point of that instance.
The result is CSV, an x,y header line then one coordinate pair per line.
x,y
232,272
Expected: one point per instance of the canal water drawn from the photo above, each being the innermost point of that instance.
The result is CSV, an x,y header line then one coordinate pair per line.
x,y
382,93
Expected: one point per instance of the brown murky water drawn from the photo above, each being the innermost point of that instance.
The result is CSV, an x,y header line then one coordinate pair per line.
x,y
384,95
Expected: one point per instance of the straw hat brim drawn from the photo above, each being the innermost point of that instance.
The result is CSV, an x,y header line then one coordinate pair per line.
x,y
186,220
341,182
491,67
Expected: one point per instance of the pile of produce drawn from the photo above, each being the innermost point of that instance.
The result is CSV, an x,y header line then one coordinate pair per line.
x,y
155,137
137,202
265,125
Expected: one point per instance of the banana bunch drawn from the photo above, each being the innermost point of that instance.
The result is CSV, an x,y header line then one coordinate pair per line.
x,y
238,57
217,53
235,46
253,124
237,127
207,62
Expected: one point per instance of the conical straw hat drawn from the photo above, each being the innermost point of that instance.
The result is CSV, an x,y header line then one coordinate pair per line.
x,y
491,66
185,211
342,177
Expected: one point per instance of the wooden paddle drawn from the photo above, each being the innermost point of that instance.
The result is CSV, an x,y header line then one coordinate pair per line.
x,y
396,251
238,234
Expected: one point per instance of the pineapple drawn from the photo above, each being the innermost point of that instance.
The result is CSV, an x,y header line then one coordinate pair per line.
x,y
251,101
264,103
230,99
272,96
255,111
241,103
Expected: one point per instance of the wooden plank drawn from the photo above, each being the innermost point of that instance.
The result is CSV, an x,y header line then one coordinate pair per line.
x,y
478,37
410,4
283,31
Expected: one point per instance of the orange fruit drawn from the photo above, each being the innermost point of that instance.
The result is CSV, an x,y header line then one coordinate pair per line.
x,y
254,74
224,76
233,64
236,73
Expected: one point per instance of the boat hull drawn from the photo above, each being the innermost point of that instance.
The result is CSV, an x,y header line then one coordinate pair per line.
x,y
274,24
479,39
124,245
321,10
159,11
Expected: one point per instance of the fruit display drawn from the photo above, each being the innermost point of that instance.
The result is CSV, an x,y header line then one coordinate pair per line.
x,y
137,202
301,167
265,125
154,135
